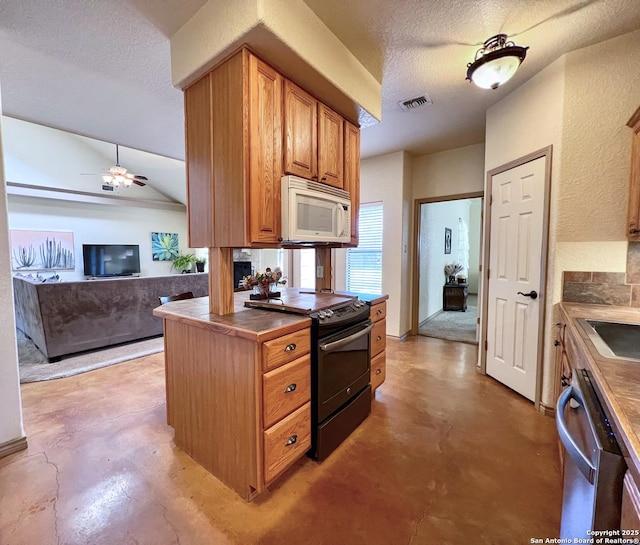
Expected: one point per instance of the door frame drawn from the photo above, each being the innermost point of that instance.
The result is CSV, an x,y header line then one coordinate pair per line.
x,y
417,203
547,153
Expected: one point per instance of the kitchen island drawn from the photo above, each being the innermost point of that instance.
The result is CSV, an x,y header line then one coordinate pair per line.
x,y
239,386
618,382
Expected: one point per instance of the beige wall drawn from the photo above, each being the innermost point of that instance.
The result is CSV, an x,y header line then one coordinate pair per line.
x,y
387,179
10,408
528,119
450,172
580,105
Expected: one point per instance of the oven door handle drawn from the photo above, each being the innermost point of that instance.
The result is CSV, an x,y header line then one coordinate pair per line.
x,y
328,347
579,458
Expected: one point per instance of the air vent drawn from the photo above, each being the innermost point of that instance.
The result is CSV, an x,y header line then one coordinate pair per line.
x,y
106,187
415,103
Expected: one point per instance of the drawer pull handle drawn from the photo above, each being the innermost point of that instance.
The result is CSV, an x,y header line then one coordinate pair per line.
x,y
378,338
378,312
290,347
291,388
378,371
291,440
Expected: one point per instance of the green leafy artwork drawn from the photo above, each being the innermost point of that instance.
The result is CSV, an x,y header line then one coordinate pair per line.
x,y
164,246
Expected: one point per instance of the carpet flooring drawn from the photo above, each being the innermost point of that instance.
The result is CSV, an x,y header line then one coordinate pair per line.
x,y
453,325
34,367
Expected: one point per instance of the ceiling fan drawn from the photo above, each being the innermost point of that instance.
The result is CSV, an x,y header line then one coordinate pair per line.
x,y
118,176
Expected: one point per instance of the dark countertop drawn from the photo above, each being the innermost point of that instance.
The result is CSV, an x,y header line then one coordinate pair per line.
x,y
617,379
250,323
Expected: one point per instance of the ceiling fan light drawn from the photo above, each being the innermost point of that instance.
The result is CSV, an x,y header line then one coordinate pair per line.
x,y
107,179
496,62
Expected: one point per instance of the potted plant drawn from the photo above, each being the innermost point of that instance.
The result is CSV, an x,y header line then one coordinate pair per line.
x,y
200,261
183,263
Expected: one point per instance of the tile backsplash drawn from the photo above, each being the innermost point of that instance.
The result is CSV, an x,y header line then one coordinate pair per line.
x,y
605,288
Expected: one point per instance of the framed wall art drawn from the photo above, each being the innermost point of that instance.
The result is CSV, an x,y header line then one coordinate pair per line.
x,y
42,250
447,240
164,246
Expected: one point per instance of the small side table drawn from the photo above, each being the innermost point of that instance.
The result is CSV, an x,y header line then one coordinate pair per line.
x,y
454,297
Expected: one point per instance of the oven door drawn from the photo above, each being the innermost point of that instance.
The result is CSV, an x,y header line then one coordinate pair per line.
x,y
343,367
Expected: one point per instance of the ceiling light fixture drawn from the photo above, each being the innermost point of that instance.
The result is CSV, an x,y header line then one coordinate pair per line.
x,y
496,62
118,176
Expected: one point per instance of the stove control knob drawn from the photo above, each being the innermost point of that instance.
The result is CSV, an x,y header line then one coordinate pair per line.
x,y
322,314
329,313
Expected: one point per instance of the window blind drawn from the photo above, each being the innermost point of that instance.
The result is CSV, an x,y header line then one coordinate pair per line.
x,y
364,263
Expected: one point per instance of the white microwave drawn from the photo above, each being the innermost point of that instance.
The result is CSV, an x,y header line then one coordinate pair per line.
x,y
314,212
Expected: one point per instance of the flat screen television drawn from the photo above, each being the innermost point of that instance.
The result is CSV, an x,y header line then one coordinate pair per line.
x,y
104,260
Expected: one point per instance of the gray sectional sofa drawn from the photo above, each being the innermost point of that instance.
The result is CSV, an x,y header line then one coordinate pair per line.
x,y
67,317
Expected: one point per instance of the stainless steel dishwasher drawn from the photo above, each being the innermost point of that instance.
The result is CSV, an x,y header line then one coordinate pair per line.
x,y
594,465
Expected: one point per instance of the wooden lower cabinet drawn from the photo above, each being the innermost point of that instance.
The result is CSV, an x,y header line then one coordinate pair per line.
x,y
378,344
239,407
286,441
378,370
285,389
630,515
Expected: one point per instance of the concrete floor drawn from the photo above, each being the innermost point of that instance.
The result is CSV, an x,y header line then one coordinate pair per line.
x,y
446,456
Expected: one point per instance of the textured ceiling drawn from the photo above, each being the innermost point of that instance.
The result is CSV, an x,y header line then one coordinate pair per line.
x,y
417,46
102,68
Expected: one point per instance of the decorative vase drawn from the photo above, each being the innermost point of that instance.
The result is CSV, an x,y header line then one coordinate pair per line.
x,y
258,293
273,293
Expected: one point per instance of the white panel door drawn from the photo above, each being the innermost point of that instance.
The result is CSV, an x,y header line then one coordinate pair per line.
x,y
515,262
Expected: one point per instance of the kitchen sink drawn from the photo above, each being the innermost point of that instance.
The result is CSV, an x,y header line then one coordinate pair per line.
x,y
614,339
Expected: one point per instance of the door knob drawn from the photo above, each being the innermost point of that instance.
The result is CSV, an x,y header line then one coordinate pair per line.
x,y
533,294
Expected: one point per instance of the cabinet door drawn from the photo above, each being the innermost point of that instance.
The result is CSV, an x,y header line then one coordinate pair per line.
x,y
300,134
265,152
352,174
630,512
633,224
330,147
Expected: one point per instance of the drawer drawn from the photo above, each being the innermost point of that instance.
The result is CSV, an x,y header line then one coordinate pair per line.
x,y
285,389
285,349
286,441
378,370
378,337
378,312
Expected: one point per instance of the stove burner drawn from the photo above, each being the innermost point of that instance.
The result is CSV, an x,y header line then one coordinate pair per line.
x,y
341,315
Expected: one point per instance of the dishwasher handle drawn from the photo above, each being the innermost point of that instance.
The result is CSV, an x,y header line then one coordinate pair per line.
x,y
582,461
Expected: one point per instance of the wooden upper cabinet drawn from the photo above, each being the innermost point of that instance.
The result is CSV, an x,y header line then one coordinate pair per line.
x,y
198,140
633,226
301,132
265,151
234,154
313,138
246,126
352,174
330,147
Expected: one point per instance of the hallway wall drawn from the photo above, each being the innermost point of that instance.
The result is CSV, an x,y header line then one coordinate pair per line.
x,y
10,408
